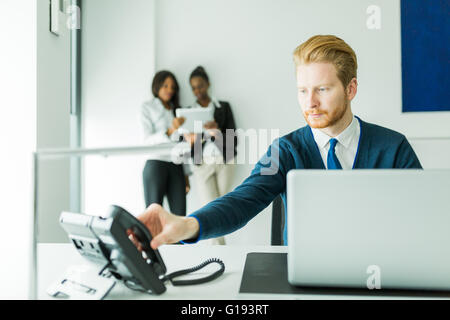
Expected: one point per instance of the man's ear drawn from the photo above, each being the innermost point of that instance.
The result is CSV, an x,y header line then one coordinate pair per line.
x,y
352,88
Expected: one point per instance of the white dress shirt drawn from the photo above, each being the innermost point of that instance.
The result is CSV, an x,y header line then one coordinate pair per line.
x,y
347,145
156,119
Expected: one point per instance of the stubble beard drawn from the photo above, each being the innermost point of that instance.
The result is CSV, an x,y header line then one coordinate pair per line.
x,y
328,119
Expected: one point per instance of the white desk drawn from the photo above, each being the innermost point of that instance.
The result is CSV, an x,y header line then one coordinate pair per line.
x,y
54,259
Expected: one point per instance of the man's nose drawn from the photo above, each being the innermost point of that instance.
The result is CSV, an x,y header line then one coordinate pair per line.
x,y
312,101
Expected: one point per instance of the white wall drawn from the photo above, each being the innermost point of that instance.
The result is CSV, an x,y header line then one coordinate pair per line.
x,y
246,47
117,69
17,142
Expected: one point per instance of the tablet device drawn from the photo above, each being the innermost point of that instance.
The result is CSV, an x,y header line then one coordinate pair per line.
x,y
195,118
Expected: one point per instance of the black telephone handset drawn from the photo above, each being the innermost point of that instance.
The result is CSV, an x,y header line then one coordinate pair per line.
x,y
106,240
141,234
146,266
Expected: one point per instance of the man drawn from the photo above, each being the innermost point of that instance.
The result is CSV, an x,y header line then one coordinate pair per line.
x,y
333,139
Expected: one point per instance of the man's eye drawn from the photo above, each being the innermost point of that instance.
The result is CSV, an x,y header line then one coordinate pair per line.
x,y
323,89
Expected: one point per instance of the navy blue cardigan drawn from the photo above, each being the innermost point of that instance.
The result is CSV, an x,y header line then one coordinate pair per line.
x,y
378,148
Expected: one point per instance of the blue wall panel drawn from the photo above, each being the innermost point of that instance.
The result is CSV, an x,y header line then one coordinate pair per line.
x,y
425,55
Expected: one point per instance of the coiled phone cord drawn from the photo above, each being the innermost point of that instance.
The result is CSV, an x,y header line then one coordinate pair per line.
x,y
170,277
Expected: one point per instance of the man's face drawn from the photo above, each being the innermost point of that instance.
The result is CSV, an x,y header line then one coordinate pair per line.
x,y
321,94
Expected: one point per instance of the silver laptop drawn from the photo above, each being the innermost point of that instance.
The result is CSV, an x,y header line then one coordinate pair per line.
x,y
375,229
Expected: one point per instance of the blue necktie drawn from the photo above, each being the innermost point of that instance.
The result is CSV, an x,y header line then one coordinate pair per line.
x,y
332,161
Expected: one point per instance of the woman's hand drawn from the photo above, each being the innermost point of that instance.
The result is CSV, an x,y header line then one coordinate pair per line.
x,y
188,185
190,138
212,128
176,123
211,125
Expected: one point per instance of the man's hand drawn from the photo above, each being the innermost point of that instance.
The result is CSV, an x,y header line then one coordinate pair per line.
x,y
166,227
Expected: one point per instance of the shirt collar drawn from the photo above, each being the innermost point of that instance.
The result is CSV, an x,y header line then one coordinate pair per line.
x,y
213,103
345,137
320,137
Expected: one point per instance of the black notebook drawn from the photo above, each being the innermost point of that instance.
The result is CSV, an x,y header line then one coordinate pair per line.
x,y
266,273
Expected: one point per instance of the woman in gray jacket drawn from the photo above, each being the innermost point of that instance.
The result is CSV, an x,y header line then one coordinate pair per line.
x,y
161,176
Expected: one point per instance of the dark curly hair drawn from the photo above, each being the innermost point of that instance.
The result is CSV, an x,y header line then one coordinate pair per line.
x,y
199,72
